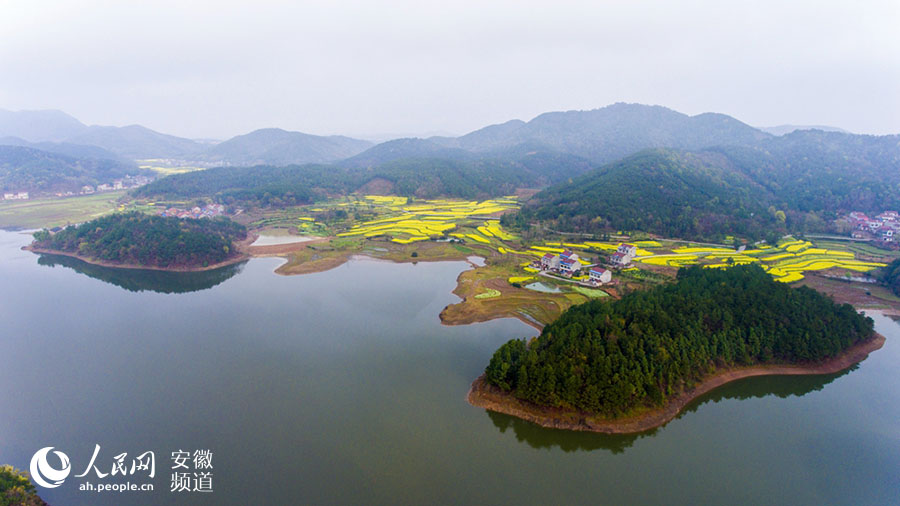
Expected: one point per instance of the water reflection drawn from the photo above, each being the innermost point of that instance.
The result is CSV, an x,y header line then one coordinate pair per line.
x,y
139,280
569,441
566,440
763,386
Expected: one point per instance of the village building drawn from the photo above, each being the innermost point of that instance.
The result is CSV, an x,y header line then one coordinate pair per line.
x,y
549,261
623,255
628,249
569,266
619,259
599,276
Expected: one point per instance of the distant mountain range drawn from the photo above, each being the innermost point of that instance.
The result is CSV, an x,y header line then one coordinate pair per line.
x,y
610,133
695,176
58,132
600,136
786,129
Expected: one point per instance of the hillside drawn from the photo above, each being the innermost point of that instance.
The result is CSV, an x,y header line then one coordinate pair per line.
x,y
420,177
812,176
137,142
611,358
273,146
65,148
401,149
260,185
36,171
39,126
786,129
673,193
129,142
810,170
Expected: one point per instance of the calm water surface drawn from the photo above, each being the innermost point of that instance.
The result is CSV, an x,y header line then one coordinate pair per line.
x,y
343,388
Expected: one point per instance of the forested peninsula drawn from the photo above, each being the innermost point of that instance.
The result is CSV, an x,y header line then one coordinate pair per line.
x,y
632,364
140,240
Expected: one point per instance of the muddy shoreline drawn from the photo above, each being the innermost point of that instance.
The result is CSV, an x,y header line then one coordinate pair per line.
x,y
236,259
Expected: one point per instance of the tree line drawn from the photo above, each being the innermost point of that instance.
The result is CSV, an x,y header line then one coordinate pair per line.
x,y
612,357
143,239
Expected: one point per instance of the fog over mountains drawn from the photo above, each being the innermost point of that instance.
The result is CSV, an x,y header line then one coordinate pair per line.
x,y
599,135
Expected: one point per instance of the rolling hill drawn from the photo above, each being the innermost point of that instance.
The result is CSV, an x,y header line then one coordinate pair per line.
x,y
811,175
36,171
670,192
39,126
64,148
273,146
137,142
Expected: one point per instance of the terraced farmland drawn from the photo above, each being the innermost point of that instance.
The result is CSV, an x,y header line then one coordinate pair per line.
x,y
405,223
787,262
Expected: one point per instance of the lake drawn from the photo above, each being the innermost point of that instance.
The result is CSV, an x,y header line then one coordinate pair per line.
x,y
342,387
274,240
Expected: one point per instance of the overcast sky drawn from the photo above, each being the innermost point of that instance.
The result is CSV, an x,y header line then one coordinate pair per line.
x,y
219,68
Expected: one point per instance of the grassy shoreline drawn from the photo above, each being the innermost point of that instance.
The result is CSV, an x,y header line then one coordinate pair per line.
x,y
492,398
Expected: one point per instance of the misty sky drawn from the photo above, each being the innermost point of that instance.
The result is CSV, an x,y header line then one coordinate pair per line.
x,y
219,68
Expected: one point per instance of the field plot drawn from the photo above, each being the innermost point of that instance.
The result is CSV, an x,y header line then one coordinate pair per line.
x,y
786,262
51,212
403,222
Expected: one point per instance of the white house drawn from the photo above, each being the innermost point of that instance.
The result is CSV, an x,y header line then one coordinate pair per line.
x,y
623,255
599,276
619,259
568,254
627,249
549,261
569,266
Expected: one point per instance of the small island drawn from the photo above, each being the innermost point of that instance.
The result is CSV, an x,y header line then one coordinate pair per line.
x,y
142,241
633,364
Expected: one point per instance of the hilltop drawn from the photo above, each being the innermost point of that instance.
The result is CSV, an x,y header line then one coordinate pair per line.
x,y
274,146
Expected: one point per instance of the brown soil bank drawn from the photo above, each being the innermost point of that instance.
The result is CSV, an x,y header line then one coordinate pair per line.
x,y
487,396
175,268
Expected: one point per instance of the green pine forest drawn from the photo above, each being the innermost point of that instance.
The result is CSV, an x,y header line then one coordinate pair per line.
x,y
610,358
138,238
